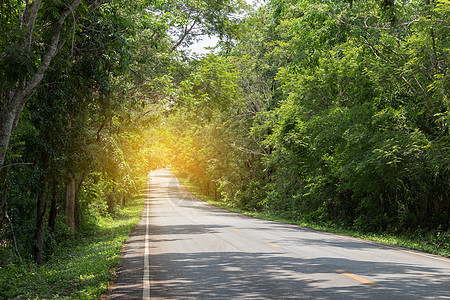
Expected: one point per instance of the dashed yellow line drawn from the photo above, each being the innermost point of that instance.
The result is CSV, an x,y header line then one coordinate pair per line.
x,y
355,277
273,245
235,229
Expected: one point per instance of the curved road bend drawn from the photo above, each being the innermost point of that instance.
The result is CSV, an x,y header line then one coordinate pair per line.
x,y
196,251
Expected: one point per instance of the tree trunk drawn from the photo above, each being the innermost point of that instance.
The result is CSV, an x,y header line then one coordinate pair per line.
x,y
40,209
78,210
110,201
447,225
78,213
10,111
53,208
70,201
123,200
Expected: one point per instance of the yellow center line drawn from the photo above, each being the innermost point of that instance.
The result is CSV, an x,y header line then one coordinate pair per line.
x,y
235,229
355,277
273,245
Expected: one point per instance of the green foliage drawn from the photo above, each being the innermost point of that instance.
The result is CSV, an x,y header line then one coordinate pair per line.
x,y
351,140
80,268
16,63
79,123
191,19
434,241
340,112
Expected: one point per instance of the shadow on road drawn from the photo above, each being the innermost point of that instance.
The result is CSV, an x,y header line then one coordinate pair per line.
x,y
233,275
275,274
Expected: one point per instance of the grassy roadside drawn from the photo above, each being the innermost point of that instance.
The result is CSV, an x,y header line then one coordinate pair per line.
x,y
430,242
81,268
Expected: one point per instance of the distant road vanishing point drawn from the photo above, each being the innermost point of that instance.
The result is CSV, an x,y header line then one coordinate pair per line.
x,y
184,248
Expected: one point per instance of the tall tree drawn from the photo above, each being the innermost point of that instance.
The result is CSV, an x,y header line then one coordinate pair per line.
x,y
35,31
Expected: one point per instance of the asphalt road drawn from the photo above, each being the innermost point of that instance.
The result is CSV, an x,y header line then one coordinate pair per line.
x,y
187,249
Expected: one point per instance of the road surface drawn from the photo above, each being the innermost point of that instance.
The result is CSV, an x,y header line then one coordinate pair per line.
x,y
187,249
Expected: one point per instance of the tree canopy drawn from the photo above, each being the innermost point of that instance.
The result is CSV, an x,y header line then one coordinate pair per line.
x,y
339,114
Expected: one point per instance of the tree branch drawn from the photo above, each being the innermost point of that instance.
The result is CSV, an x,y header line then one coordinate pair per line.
x,y
51,53
31,22
184,35
16,164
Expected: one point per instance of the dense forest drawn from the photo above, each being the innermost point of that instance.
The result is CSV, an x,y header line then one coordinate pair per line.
x,y
332,111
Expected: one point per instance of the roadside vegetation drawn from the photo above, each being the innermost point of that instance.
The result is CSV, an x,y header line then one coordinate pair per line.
x,y
81,266
333,113
434,242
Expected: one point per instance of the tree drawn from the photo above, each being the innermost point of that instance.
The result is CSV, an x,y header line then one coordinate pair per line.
x,y
32,41
342,104
94,84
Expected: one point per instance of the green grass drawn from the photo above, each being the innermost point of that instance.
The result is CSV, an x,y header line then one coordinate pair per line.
x,y
80,268
435,242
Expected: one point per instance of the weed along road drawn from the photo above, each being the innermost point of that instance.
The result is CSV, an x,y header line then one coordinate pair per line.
x,y
186,249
